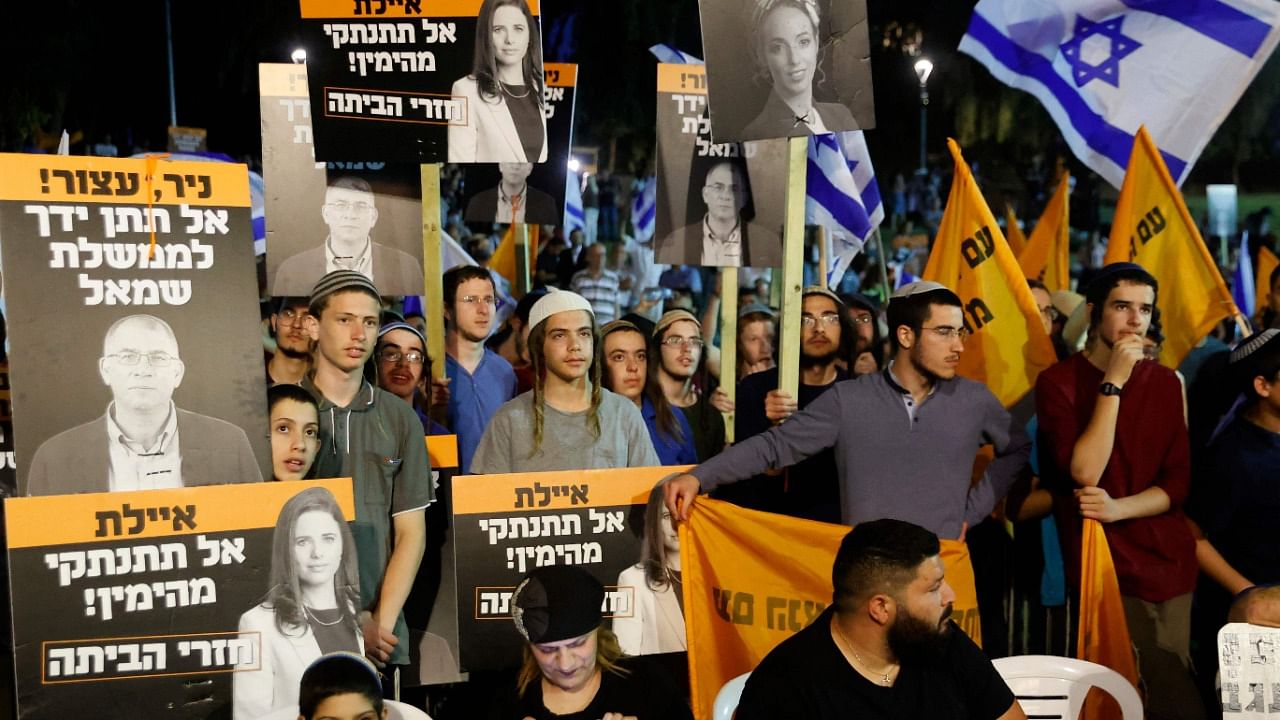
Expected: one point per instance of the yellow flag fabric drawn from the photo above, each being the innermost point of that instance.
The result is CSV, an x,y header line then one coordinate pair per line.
x,y
1047,257
1013,233
1103,634
1152,227
1267,264
752,579
1008,347
504,257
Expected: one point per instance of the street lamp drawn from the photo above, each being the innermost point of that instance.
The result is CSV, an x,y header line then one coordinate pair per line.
x,y
923,69
299,56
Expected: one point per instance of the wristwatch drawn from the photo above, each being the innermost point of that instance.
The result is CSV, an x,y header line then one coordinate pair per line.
x,y
1107,388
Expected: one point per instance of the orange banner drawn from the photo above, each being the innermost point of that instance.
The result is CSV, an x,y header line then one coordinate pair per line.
x,y
376,10
1013,233
1103,634
544,491
443,451
93,517
121,181
685,79
1267,264
752,579
1047,255
561,74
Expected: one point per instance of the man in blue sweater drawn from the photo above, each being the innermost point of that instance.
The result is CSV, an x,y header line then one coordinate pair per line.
x,y
904,439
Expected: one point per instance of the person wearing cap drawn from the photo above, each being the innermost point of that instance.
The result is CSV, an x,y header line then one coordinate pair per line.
x,y
886,647
143,440
680,371
1234,497
292,357
904,438
573,667
1114,448
403,369
576,423
626,373
374,438
479,379
809,489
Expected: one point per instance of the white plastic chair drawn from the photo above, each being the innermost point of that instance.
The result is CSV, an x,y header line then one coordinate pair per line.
x,y
1048,686
727,699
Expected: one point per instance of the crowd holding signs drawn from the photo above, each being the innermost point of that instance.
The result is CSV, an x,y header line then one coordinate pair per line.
x,y
153,572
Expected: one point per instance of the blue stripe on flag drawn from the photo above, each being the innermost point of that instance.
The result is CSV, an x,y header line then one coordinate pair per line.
x,y
1100,135
647,215
1216,20
871,196
844,209
574,212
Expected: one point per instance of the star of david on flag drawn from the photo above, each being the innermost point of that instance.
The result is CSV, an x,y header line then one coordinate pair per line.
x,y
1103,68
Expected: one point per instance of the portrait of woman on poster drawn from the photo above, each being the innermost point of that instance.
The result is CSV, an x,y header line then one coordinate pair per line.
x,y
657,623
503,119
786,47
311,609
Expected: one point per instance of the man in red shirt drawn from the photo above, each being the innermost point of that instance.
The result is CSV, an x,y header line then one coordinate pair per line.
x,y
1114,448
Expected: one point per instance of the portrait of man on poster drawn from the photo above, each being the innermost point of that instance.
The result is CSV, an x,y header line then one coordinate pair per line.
x,y
724,236
513,199
143,441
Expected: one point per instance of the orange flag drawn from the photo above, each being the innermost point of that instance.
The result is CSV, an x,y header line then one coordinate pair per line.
x,y
1103,634
753,579
1013,233
504,257
1047,256
1267,264
1008,347
1152,227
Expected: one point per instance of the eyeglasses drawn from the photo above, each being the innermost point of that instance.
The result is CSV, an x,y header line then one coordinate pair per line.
x,y
1050,312
721,188
863,320
947,332
154,359
344,206
413,357
291,316
828,319
489,300
675,341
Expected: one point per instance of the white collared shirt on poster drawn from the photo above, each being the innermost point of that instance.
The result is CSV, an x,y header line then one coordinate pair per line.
x,y
361,262
721,251
138,467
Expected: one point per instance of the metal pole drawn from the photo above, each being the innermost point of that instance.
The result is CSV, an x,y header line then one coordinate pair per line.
x,y
168,37
924,124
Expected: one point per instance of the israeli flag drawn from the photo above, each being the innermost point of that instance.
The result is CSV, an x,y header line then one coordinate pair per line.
x,y
842,196
668,54
644,209
1242,288
574,217
1104,67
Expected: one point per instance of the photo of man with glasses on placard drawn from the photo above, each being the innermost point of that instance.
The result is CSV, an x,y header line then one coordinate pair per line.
x,y
725,235
142,441
350,212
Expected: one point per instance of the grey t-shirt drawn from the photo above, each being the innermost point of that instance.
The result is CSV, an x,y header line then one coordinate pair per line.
x,y
567,440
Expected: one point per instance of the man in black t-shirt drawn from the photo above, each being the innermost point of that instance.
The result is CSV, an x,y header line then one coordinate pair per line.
x,y
886,648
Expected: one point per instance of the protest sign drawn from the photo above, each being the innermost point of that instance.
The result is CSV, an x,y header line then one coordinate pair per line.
x,y
727,190
365,216
399,80
128,605
157,259
784,68
506,525
514,192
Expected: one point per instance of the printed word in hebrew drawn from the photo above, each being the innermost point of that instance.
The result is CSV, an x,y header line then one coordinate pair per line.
x,y
531,527
139,291
101,602
415,108
383,61
137,518
90,182
386,33
551,96
76,564
521,558
577,495
220,652
192,254
379,7
496,602
689,103
123,658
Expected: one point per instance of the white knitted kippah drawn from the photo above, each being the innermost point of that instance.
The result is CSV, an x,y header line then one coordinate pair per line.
x,y
557,301
1252,344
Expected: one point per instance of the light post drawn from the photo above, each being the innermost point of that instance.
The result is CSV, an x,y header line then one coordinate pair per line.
x,y
923,68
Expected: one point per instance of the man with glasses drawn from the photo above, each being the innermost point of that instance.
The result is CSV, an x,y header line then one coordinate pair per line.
x,y
292,357
404,370
724,237
142,441
808,489
681,373
904,439
480,380
512,200
350,213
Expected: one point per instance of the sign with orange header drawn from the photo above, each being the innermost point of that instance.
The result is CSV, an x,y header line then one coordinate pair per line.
x,y
142,604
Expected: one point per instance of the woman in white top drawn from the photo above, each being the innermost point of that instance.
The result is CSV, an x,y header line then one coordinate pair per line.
x,y
502,120
657,621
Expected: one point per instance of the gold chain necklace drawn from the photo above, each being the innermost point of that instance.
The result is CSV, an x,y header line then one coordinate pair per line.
x,y
884,676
